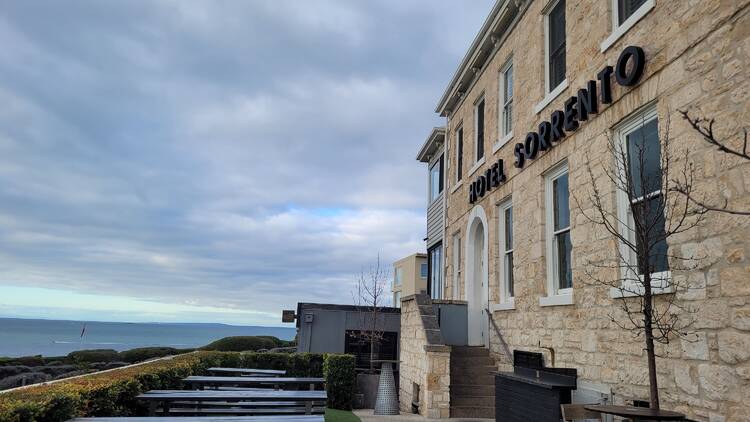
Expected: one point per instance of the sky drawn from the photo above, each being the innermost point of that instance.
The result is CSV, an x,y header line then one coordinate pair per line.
x,y
217,161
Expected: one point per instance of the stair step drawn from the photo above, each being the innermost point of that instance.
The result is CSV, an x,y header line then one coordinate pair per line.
x,y
472,412
469,351
469,390
472,369
472,361
477,401
473,379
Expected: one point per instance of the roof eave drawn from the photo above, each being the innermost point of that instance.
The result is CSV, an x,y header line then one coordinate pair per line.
x,y
433,142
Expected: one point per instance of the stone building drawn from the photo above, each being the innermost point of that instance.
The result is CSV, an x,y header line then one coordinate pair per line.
x,y
519,250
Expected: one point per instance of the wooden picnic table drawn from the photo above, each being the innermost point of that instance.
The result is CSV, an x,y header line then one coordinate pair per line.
x,y
200,397
199,382
294,418
248,371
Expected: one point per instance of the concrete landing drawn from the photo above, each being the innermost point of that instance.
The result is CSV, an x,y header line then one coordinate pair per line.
x,y
366,416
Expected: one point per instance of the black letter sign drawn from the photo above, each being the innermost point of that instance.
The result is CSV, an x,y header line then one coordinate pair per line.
x,y
639,62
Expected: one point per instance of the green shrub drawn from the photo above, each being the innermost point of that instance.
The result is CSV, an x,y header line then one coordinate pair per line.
x,y
144,353
94,355
37,360
244,343
340,376
114,393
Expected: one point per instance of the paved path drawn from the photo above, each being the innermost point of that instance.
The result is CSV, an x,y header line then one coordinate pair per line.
x,y
366,416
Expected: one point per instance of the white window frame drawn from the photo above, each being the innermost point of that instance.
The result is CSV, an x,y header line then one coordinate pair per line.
x,y
434,163
661,281
619,30
423,275
555,296
456,258
397,299
506,302
550,95
503,136
398,275
477,161
459,175
436,279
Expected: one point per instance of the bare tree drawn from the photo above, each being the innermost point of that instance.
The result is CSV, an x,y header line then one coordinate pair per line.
x,y
652,214
705,127
369,296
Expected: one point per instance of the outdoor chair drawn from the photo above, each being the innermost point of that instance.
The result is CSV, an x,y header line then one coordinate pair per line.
x,y
576,412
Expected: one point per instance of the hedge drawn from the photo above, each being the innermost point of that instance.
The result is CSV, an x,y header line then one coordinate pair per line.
x,y
113,393
340,380
245,343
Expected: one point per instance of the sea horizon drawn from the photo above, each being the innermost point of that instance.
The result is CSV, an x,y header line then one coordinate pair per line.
x,y
52,337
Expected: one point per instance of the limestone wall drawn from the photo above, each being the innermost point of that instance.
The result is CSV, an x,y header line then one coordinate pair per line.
x,y
425,361
698,56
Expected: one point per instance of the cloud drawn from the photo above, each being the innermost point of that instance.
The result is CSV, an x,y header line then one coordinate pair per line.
x,y
231,157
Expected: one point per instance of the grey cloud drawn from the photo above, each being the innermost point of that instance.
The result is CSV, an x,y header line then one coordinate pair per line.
x,y
236,154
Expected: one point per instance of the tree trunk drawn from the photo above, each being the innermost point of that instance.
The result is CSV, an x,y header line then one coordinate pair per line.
x,y
648,330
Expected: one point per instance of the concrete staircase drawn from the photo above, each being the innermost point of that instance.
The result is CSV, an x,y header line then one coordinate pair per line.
x,y
472,387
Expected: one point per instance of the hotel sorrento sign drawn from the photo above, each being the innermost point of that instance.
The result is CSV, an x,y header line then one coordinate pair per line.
x,y
576,109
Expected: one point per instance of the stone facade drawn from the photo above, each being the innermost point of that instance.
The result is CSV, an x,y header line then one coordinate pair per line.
x,y
425,361
698,56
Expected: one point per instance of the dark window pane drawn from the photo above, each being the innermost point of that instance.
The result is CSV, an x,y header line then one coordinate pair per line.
x,y
509,228
560,202
509,272
557,45
440,181
627,8
650,214
565,274
644,159
509,83
480,130
357,343
460,153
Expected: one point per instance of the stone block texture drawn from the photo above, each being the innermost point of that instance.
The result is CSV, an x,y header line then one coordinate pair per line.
x,y
698,59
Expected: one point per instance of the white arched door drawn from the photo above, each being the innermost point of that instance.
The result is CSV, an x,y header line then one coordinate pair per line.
x,y
476,291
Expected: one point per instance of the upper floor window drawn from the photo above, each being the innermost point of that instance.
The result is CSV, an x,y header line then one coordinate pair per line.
x,y
626,8
459,153
479,130
625,14
397,276
436,179
559,246
505,213
423,270
555,43
506,100
643,206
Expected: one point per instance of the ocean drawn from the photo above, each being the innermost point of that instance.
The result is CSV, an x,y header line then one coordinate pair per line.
x,y
27,337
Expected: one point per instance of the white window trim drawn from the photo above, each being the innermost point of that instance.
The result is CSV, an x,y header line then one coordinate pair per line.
x,y
554,296
551,96
507,302
663,278
456,186
474,168
501,100
476,133
456,265
546,12
435,162
463,148
619,30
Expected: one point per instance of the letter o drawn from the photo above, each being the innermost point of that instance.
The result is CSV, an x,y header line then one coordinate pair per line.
x,y
531,145
639,63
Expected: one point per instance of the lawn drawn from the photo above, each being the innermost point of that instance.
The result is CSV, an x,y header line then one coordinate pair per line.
x,y
340,416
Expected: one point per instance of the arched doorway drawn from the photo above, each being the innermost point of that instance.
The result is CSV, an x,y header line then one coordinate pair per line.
x,y
476,290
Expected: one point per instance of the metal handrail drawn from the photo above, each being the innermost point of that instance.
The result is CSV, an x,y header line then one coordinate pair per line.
x,y
500,336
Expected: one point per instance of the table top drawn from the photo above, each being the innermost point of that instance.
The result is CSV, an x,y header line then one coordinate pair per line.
x,y
270,418
208,395
195,379
636,412
248,371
